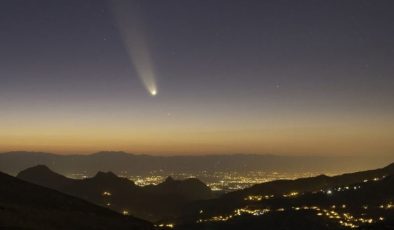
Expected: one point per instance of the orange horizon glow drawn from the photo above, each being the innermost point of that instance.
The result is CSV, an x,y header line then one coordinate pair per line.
x,y
301,138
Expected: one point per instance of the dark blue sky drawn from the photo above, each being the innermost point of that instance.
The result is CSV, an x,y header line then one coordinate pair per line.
x,y
257,72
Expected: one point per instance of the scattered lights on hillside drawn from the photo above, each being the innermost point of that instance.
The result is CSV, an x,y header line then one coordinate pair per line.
x,y
336,213
170,225
292,194
107,194
387,206
237,212
258,198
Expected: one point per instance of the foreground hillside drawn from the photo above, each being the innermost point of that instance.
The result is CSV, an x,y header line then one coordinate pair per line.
x,y
367,204
362,200
27,206
279,188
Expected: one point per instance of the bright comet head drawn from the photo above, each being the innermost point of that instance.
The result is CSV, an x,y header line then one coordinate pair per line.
x,y
153,92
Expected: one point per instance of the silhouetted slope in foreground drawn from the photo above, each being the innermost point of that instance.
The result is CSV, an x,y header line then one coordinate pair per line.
x,y
27,206
312,183
105,188
363,199
236,199
367,204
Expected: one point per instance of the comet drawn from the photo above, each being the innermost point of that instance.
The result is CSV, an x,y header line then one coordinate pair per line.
x,y
132,30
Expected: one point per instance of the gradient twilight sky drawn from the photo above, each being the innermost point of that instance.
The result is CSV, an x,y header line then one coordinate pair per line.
x,y
233,76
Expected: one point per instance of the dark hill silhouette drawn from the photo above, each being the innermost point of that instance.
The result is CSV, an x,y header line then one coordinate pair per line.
x,y
190,189
42,173
28,206
105,188
93,189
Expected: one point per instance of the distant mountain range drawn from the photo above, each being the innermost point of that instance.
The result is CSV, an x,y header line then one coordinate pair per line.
x,y
131,164
28,206
152,202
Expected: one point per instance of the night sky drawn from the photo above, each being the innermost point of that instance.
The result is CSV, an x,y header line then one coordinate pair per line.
x,y
278,77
